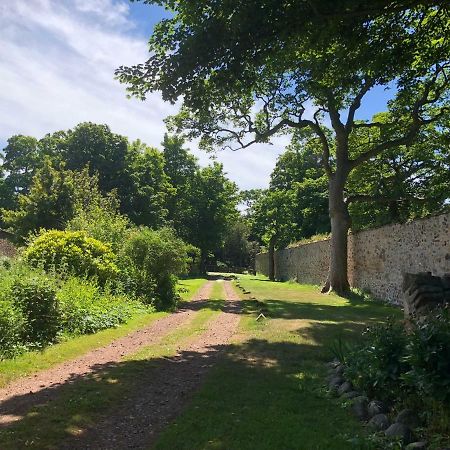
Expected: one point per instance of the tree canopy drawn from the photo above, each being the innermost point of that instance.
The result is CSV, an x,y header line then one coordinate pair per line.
x,y
247,71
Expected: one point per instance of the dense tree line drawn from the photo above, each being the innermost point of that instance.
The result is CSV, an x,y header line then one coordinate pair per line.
x,y
43,180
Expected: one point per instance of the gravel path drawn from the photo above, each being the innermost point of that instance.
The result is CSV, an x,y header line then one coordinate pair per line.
x,y
21,395
165,389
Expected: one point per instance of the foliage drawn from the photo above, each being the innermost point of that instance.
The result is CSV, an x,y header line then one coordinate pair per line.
x,y
237,249
146,187
94,145
428,356
213,203
74,252
98,215
377,364
87,308
307,64
403,183
407,367
35,297
181,169
150,260
12,325
48,205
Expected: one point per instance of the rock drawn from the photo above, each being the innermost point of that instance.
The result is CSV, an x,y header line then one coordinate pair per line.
x,y
333,364
414,445
376,407
379,422
350,395
359,407
409,418
335,382
339,370
345,387
399,430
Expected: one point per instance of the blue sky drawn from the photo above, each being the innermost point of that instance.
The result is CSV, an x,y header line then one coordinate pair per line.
x,y
57,59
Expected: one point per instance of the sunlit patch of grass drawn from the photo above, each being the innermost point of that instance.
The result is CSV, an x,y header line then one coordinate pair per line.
x,y
268,391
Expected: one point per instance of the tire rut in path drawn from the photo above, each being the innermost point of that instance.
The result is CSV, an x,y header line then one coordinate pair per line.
x,y
164,390
18,397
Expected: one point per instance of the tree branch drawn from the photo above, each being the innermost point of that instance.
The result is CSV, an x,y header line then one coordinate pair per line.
x,y
356,103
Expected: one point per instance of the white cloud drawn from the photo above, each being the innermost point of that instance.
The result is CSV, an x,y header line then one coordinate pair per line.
x,y
57,62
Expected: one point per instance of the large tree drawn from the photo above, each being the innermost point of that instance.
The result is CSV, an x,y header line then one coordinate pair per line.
x,y
247,71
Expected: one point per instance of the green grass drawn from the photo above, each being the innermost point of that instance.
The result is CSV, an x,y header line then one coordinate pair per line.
x,y
190,286
32,362
268,391
80,403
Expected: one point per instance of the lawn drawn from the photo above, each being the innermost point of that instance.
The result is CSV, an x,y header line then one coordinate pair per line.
x,y
268,391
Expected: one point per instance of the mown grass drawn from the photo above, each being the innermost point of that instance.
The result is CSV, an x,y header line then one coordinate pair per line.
x,y
32,362
82,401
268,392
189,286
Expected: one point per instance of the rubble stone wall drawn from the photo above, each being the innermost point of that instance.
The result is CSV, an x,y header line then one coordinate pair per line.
x,y
377,258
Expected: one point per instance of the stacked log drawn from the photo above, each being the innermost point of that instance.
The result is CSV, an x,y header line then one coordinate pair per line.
x,y
423,292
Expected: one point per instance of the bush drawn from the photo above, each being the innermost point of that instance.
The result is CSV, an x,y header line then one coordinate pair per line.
x,y
377,364
100,218
150,260
85,308
35,297
72,251
428,355
11,329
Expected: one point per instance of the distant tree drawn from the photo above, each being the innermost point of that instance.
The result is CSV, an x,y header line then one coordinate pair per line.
x,y
143,194
94,145
49,203
237,247
273,221
181,168
213,207
20,160
247,71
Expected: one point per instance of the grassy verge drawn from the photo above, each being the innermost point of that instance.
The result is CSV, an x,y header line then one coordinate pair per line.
x,y
189,286
32,362
268,391
81,403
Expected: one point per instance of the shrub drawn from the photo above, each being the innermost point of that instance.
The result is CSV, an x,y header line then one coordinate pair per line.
x,y
72,251
35,297
11,329
151,260
377,364
100,218
86,308
428,355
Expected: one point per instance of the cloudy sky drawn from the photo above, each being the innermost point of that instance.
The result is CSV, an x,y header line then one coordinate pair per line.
x,y
57,60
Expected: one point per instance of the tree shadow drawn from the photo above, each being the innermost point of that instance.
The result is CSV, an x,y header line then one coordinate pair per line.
x,y
271,392
126,404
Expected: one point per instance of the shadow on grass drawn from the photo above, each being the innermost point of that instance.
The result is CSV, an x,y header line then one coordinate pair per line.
x,y
358,310
262,394
270,392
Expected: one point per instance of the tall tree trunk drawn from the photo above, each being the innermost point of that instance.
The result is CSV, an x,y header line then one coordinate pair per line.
x,y
203,257
272,259
340,223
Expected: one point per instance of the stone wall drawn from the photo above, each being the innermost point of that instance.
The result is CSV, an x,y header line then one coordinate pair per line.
x,y
377,258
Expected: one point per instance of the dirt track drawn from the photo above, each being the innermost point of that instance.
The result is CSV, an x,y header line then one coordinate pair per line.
x,y
162,392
